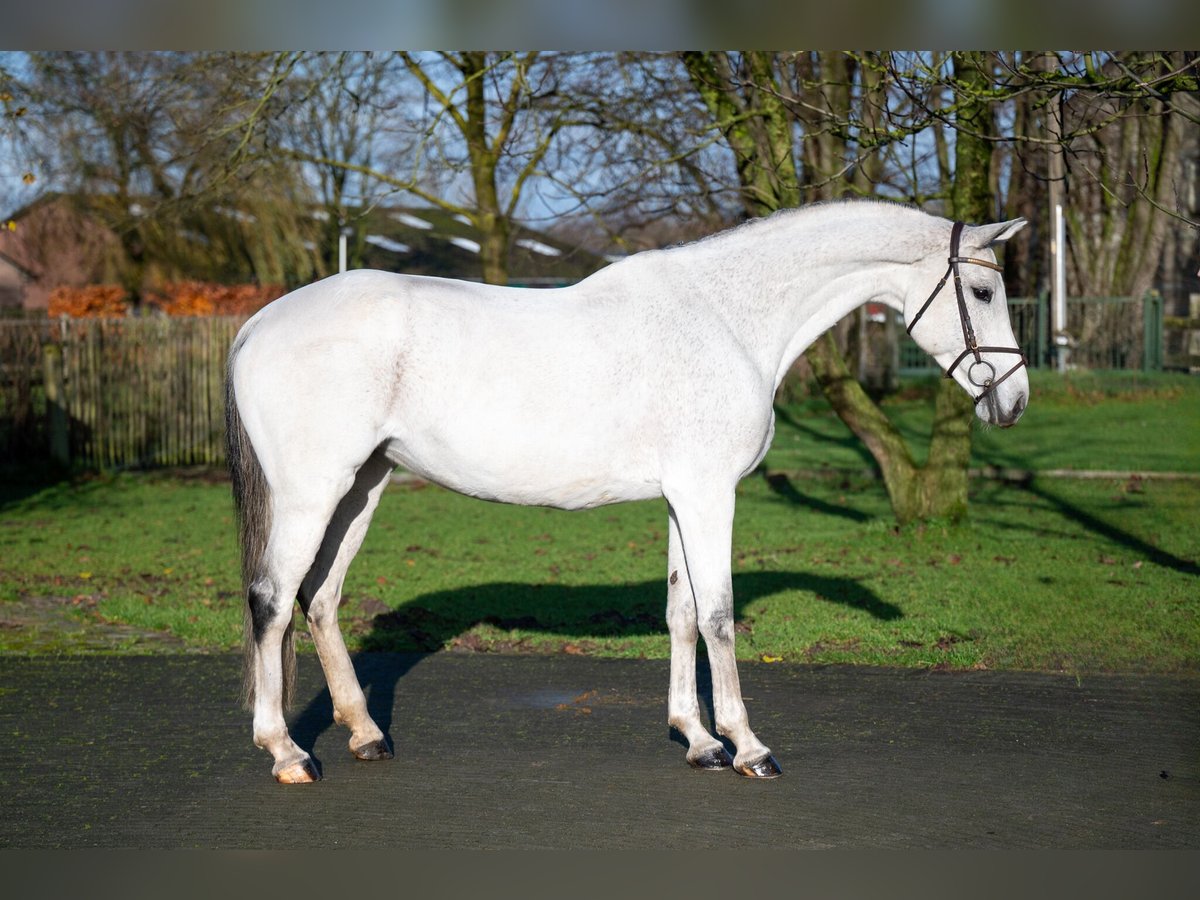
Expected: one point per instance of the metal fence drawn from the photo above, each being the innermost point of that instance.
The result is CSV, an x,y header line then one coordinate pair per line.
x,y
1106,333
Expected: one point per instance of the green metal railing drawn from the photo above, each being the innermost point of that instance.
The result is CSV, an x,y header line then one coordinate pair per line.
x,y
1105,333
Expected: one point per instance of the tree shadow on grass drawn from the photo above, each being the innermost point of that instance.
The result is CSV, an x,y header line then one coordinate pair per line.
x,y
848,440
19,483
1042,489
781,485
1109,531
399,639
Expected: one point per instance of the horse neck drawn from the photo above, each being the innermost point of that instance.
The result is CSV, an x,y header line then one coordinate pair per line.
x,y
781,284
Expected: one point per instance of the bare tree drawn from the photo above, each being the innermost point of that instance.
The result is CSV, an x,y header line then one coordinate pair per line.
x,y
143,142
1102,132
13,130
1116,119
1123,176
503,115
468,139
108,116
639,162
339,122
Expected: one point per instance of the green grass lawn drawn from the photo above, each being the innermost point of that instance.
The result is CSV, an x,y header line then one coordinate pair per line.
x,y
1057,574
1108,421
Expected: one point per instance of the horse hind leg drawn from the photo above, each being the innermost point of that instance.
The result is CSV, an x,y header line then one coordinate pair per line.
x,y
297,530
320,596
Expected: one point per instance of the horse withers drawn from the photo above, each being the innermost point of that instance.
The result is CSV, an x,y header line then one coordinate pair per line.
x,y
654,377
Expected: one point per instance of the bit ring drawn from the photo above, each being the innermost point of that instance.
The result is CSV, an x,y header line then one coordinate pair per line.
x,y
975,365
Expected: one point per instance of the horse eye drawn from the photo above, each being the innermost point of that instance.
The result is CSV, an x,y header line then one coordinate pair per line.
x,y
983,295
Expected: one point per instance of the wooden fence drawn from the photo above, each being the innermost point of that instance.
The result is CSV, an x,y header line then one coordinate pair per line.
x,y
115,393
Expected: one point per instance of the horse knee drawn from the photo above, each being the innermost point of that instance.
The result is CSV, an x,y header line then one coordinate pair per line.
x,y
682,617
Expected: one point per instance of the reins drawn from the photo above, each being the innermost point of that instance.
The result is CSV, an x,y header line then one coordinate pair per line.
x,y
990,381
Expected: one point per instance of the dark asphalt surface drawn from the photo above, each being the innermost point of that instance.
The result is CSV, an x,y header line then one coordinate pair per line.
x,y
528,752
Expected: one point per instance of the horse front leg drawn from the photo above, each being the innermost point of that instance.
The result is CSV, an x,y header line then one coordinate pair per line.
x,y
705,522
683,706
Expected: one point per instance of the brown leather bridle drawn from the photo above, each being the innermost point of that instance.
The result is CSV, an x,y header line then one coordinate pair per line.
x,y
990,382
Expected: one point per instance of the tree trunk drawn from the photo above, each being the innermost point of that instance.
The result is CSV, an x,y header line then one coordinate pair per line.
x,y
938,490
488,216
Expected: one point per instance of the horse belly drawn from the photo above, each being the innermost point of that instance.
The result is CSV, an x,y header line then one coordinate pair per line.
x,y
531,463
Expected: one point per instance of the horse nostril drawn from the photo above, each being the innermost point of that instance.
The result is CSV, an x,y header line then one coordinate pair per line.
x,y
1015,413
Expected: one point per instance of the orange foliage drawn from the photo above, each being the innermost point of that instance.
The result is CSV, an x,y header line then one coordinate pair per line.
x,y
89,301
202,298
180,298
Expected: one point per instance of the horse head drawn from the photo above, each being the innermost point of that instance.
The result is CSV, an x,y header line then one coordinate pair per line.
x,y
964,324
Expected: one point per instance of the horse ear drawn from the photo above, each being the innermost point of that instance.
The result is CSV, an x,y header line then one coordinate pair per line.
x,y
997,233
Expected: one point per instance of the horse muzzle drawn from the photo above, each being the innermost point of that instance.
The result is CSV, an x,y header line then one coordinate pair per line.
x,y
992,410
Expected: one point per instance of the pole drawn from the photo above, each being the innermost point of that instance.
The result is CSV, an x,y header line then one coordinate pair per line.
x,y
1058,238
1058,249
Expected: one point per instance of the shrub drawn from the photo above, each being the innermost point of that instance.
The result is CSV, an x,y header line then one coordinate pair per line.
x,y
89,301
203,298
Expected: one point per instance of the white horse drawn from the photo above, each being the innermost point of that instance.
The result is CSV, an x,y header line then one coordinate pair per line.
x,y
654,377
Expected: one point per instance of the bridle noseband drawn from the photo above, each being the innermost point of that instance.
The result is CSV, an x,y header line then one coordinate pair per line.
x,y
990,381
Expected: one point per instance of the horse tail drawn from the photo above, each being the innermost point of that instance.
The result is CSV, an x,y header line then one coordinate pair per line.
x,y
252,506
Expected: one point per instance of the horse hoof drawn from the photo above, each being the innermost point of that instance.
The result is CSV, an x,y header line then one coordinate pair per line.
x,y
374,750
303,772
763,768
713,760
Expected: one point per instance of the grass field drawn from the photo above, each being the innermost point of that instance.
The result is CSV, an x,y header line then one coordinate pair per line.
x,y
1054,574
1110,421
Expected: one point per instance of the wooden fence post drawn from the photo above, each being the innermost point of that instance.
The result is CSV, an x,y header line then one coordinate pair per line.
x,y
57,423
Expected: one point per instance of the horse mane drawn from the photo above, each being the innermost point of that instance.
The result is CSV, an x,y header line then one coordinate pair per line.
x,y
840,210
840,207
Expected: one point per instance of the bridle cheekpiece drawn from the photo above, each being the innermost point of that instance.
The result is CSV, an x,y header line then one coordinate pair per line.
x,y
989,381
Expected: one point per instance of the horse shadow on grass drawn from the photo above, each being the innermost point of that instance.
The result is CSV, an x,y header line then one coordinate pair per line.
x,y
399,639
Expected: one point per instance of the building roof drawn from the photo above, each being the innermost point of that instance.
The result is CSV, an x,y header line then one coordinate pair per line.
x,y
428,241
24,270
